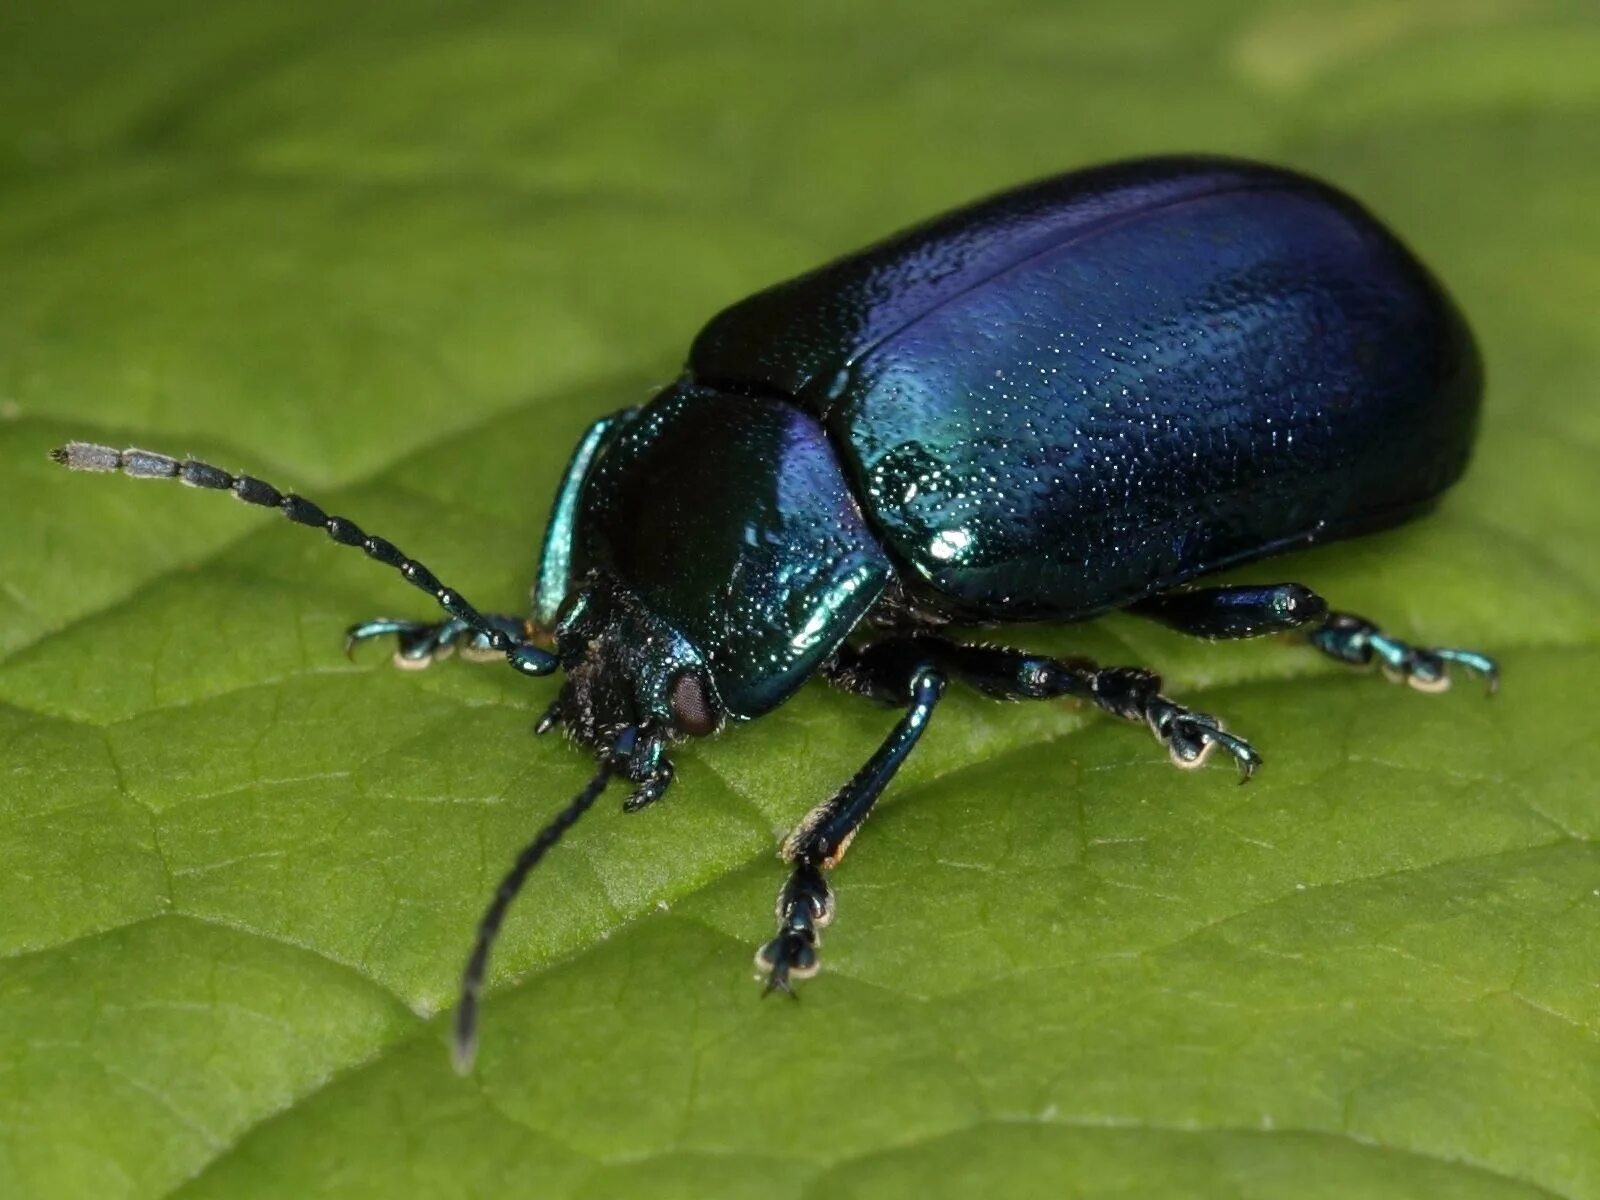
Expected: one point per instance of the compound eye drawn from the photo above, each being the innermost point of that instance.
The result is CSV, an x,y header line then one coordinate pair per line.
x,y
691,707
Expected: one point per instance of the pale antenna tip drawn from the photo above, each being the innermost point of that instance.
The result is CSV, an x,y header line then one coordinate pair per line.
x,y
464,1046
87,456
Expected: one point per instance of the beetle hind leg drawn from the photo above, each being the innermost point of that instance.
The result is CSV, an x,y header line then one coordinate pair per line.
x,y
419,643
1357,641
1251,610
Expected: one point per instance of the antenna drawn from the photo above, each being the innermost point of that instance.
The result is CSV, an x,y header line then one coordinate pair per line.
x,y
466,1036
524,656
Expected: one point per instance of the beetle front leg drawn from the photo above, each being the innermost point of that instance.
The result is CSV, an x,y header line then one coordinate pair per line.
x,y
805,903
418,643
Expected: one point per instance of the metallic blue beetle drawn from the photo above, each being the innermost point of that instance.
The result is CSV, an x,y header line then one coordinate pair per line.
x,y
1073,397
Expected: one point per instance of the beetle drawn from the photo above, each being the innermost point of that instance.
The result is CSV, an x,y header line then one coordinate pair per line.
x,y
1073,397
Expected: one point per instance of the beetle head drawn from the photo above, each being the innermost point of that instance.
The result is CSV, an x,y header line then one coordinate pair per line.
x,y
631,681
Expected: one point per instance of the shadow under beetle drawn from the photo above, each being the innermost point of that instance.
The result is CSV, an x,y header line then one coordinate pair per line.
x,y
1072,397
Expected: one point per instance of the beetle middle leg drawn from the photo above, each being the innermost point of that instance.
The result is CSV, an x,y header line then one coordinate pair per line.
x,y
1255,609
1131,693
805,903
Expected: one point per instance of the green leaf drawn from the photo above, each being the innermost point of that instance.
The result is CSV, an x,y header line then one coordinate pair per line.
x,y
397,255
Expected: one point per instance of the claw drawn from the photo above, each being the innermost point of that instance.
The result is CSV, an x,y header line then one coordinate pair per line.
x,y
1479,664
1191,736
1244,754
365,631
790,955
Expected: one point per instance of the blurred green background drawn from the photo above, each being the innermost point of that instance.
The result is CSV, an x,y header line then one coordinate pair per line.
x,y
396,256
